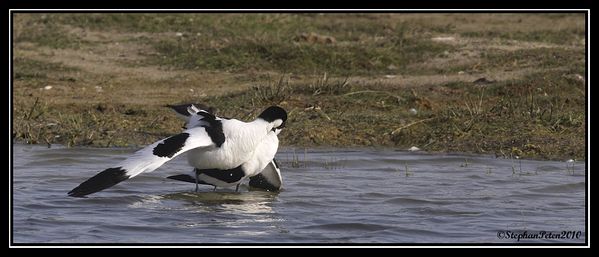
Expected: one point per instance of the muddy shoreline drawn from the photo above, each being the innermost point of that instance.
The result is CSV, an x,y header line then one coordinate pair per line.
x,y
511,86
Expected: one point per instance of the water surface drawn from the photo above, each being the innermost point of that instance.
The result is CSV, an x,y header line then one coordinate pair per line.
x,y
330,196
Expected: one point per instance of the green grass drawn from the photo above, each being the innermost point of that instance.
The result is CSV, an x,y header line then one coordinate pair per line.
x,y
539,58
33,69
332,85
43,31
501,120
559,36
504,120
280,51
235,42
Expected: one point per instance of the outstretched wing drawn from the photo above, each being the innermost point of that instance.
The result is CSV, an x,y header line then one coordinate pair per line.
x,y
145,160
269,179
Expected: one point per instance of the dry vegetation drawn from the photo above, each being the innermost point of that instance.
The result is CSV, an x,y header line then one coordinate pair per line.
x,y
509,84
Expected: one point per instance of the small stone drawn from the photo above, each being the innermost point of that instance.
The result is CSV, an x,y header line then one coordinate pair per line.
x,y
413,111
413,149
443,39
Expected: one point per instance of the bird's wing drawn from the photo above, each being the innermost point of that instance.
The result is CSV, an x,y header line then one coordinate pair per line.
x,y
269,179
182,110
146,160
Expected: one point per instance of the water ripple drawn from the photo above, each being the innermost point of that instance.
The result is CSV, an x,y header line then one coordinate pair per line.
x,y
334,196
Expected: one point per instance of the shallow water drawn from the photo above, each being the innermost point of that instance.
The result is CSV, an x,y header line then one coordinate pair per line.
x,y
334,196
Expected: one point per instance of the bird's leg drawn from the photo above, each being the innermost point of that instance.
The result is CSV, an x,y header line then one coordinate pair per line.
x,y
214,190
237,188
197,179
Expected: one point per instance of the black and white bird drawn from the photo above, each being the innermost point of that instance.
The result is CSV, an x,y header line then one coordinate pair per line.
x,y
182,110
222,151
261,168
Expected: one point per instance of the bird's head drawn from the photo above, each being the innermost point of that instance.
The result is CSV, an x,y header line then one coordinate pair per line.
x,y
276,116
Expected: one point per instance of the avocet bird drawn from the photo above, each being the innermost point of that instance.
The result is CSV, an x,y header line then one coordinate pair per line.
x,y
262,169
222,151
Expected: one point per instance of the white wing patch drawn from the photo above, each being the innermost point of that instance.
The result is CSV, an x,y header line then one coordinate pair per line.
x,y
145,160
155,155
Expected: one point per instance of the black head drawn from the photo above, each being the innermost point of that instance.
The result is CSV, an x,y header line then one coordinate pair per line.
x,y
274,113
